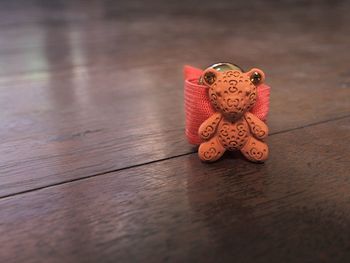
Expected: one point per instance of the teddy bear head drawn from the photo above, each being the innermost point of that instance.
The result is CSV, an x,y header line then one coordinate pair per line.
x,y
233,92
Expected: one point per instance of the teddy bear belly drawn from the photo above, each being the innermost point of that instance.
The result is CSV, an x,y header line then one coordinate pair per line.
x,y
233,136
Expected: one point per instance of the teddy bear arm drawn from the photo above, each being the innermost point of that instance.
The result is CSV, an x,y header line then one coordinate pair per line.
x,y
257,127
209,126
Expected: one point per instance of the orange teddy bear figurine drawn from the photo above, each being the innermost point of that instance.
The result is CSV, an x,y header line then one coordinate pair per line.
x,y
232,127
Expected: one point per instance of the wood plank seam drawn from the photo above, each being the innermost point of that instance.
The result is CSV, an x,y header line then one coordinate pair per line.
x,y
159,160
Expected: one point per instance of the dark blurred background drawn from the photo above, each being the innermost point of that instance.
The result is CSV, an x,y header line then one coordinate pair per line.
x,y
39,35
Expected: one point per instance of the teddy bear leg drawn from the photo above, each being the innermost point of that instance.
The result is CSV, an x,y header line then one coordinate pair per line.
x,y
255,150
211,150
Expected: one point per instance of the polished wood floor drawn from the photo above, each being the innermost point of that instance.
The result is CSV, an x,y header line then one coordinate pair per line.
x,y
94,165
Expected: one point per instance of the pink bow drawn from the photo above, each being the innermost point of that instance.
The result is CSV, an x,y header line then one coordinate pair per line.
x,y
198,107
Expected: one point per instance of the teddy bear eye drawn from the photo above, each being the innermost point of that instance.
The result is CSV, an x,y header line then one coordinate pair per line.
x,y
255,78
209,77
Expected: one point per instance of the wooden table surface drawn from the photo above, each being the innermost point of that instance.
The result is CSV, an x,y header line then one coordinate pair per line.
x,y
94,165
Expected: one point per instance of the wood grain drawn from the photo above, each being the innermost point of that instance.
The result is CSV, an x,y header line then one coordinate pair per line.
x,y
88,88
293,208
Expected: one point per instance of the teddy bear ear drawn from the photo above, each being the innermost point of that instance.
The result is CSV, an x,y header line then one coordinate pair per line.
x,y
257,76
209,76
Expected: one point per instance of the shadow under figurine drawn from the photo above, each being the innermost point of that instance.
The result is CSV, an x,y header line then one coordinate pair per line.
x,y
232,127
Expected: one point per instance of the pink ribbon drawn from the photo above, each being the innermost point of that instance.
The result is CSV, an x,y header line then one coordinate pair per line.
x,y
198,107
